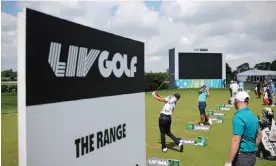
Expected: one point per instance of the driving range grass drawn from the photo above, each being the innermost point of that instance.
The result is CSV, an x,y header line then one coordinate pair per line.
x,y
9,143
215,154
9,103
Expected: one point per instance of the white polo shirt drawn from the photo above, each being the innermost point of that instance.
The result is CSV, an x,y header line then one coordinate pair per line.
x,y
169,106
234,87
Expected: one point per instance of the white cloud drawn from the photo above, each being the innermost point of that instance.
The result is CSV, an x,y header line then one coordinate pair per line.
x,y
8,38
154,58
243,31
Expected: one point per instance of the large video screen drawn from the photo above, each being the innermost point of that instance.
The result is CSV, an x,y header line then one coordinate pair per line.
x,y
200,65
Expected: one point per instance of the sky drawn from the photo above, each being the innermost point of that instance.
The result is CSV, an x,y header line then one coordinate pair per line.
x,y
242,31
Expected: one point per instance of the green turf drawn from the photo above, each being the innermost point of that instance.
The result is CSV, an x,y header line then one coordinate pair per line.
x,y
215,154
9,103
9,140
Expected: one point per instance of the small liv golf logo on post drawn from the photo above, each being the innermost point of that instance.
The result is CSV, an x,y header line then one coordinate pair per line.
x,y
215,113
218,114
80,61
198,127
191,126
162,162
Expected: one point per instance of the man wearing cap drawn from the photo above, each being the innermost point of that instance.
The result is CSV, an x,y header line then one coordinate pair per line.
x,y
246,134
272,92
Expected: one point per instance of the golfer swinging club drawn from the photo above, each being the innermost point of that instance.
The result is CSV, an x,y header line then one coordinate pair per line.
x,y
165,119
203,94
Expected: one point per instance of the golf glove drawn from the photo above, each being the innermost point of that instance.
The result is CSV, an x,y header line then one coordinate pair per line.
x,y
228,164
153,93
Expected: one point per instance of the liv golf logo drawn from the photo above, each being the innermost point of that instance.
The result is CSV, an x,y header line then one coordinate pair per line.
x,y
162,162
80,61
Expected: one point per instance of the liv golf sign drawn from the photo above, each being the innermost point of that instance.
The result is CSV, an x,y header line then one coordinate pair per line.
x,y
80,95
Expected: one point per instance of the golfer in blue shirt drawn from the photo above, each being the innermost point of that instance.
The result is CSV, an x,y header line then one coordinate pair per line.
x,y
246,134
272,92
203,94
241,86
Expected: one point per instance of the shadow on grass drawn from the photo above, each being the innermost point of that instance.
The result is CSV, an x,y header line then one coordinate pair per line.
x,y
171,146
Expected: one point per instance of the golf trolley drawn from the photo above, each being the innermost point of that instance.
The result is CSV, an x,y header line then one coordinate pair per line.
x,y
267,148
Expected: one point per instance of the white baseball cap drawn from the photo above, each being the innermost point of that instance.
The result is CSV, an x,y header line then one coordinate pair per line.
x,y
241,96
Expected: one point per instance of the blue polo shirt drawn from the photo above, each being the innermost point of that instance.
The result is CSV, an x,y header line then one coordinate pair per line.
x,y
272,89
241,84
202,96
246,124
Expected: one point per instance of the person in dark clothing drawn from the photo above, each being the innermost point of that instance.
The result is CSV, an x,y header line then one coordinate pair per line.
x,y
259,89
230,90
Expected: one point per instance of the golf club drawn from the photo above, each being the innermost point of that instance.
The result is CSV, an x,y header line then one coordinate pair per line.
x,y
165,81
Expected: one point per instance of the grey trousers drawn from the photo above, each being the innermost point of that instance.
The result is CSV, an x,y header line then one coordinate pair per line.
x,y
244,159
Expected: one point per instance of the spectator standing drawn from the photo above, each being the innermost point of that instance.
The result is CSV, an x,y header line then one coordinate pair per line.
x,y
241,86
259,89
265,84
230,90
246,134
234,88
272,92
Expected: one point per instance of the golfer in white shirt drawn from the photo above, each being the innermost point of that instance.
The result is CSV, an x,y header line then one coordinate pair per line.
x,y
165,119
234,88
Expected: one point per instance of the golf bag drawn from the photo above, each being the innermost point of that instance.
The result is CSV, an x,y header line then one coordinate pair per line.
x,y
267,148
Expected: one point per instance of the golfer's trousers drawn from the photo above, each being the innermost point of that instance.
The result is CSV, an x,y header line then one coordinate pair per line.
x,y
165,128
259,92
244,159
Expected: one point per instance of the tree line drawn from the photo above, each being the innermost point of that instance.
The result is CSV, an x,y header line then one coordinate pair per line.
x,y
8,75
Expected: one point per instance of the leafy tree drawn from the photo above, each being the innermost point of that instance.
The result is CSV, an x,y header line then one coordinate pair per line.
x,y
243,67
12,77
263,66
229,73
6,73
273,65
154,80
